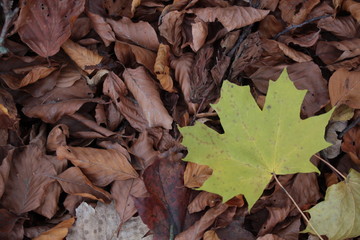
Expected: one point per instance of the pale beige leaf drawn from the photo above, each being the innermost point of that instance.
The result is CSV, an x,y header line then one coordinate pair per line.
x,y
81,56
344,88
147,95
230,17
58,232
140,33
161,68
99,165
195,174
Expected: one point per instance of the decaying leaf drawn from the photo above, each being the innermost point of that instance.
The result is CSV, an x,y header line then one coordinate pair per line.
x,y
47,25
161,68
337,216
244,157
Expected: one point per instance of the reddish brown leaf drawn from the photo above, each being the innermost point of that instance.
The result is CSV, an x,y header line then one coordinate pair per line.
x,y
197,230
295,12
140,33
350,144
81,28
230,17
164,182
6,156
101,166
102,28
147,94
47,25
344,88
7,220
30,175
345,27
73,181
143,148
57,137
306,40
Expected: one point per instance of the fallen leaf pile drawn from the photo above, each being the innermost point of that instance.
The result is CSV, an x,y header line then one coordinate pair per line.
x,y
94,94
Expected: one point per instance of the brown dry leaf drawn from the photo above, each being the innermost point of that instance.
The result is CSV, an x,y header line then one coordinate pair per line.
x,y
171,29
350,144
270,237
211,235
58,232
143,148
304,40
344,88
344,27
32,76
102,28
199,31
140,33
183,74
52,112
296,11
195,175
147,94
123,192
270,26
81,28
82,56
293,54
6,157
68,76
57,137
331,52
196,231
203,200
74,182
161,68
126,52
117,8
230,17
353,7
30,175
8,111
101,166
46,25
7,220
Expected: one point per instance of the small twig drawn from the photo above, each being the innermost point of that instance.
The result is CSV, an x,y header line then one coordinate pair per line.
x,y
331,166
300,25
297,206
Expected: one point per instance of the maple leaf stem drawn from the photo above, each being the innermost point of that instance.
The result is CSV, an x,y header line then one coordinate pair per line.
x,y
331,166
297,206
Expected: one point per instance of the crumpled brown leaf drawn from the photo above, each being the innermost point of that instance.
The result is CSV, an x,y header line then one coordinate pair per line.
x,y
143,87
101,166
46,25
195,175
161,68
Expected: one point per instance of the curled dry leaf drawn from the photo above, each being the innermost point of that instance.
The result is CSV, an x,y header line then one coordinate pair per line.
x,y
353,7
195,175
203,200
306,40
344,27
30,175
140,33
57,137
82,56
293,54
74,182
171,29
126,52
161,68
58,232
147,94
331,52
196,231
295,12
143,148
183,72
101,166
344,87
35,73
8,111
230,17
46,25
102,28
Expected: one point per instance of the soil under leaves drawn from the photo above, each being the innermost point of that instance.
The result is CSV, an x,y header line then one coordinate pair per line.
x,y
92,94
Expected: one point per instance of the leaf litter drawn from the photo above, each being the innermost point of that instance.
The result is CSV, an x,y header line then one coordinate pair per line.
x,y
93,94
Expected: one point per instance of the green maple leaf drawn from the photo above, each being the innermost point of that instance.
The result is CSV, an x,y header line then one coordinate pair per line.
x,y
255,143
338,217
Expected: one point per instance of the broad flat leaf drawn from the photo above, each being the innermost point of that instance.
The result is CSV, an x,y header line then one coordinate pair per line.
x,y
338,217
47,24
256,143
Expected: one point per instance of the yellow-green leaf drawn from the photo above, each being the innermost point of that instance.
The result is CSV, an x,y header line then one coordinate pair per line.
x,y
338,217
256,143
